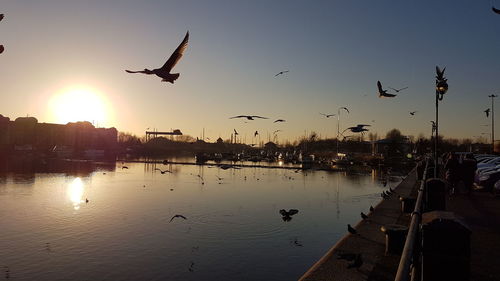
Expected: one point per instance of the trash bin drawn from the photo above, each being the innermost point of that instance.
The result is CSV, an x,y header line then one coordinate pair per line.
x,y
445,247
435,195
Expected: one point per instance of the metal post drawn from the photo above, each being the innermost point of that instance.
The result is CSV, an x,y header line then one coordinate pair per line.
x,y
492,122
338,129
436,137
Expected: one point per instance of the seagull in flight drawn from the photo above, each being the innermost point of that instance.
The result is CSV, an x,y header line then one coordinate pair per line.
x,y
281,73
345,108
330,115
497,11
177,216
487,111
359,128
249,117
164,71
412,113
398,90
279,120
383,93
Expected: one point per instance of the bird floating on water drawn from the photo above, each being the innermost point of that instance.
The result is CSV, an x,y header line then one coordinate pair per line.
x,y
164,71
177,216
383,93
398,90
249,117
281,73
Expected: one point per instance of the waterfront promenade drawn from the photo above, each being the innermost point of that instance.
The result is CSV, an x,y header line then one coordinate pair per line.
x,y
480,211
369,242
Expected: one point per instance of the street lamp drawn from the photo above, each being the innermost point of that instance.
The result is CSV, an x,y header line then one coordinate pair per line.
x,y
492,122
338,126
441,89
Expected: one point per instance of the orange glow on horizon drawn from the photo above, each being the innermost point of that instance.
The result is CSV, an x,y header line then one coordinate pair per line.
x,y
80,103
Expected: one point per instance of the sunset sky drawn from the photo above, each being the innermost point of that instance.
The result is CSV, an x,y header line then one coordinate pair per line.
x,y
65,59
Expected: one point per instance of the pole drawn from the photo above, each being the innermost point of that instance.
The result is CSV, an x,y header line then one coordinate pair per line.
x,y
436,138
338,122
492,122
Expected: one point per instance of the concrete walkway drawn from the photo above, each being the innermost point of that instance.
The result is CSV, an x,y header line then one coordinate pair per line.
x,y
370,242
481,212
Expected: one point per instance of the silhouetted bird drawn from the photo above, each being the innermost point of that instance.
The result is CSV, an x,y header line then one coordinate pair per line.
x,y
164,71
287,216
351,229
177,216
327,115
255,134
279,120
495,10
357,263
383,93
398,90
345,108
372,209
163,172
487,111
412,113
363,216
358,129
249,117
281,72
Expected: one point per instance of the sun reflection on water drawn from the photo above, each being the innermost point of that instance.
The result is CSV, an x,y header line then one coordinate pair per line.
x,y
75,192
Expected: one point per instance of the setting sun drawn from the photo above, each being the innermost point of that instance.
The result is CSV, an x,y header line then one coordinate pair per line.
x,y
79,104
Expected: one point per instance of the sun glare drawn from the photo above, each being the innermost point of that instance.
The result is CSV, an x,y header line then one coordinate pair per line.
x,y
79,104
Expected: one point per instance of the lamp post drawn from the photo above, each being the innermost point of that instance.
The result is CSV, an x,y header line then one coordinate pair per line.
x,y
441,89
338,126
492,122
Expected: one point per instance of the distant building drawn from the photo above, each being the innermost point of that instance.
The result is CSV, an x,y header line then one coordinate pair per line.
x,y
25,133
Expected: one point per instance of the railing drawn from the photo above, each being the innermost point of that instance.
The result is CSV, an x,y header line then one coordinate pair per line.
x,y
403,273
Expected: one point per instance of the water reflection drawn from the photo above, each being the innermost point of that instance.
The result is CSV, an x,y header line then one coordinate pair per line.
x,y
75,192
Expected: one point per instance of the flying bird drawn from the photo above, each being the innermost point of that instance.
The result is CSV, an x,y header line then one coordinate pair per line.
x,y
279,120
177,216
287,216
398,90
256,133
497,11
235,132
487,111
412,113
281,73
327,115
360,128
164,71
383,93
344,108
249,117
351,229
163,172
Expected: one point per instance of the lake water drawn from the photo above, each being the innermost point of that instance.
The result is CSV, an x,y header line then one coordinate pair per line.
x,y
233,229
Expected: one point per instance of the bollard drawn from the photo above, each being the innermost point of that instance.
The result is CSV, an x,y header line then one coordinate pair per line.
x,y
445,247
435,195
407,204
395,237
